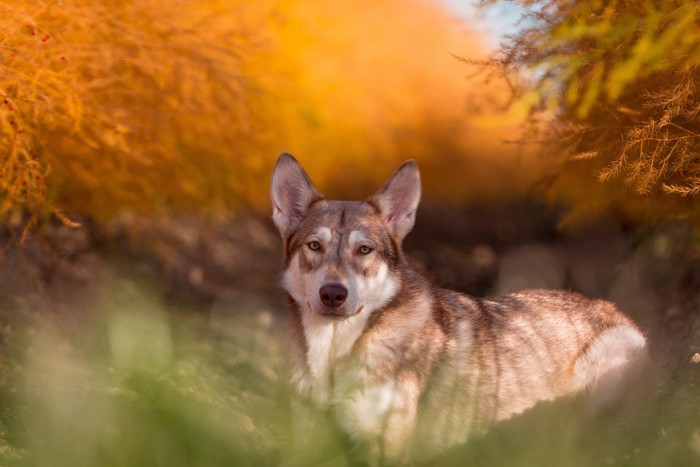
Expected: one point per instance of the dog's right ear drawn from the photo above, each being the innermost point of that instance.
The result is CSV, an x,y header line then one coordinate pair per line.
x,y
292,193
398,199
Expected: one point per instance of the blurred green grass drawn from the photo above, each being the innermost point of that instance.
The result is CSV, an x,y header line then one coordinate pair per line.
x,y
142,386
122,375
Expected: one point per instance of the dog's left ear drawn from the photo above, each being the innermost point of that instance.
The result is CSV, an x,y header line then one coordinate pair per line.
x,y
398,199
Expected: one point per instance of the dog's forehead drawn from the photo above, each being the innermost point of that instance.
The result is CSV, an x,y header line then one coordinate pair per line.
x,y
341,216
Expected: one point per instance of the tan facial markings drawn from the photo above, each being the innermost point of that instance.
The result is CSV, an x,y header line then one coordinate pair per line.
x,y
324,234
356,239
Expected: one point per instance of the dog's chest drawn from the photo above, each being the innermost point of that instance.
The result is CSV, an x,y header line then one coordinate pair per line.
x,y
326,343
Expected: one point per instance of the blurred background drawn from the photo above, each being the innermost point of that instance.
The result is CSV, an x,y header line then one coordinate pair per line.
x,y
140,318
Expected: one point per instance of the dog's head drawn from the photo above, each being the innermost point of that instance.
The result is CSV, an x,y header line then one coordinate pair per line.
x,y
342,256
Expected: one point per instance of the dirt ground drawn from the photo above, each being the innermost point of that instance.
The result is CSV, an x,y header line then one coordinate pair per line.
x,y
216,340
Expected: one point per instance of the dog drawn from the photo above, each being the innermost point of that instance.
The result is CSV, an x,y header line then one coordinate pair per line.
x,y
410,369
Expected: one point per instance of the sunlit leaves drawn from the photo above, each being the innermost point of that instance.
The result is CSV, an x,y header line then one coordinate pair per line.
x,y
619,81
597,49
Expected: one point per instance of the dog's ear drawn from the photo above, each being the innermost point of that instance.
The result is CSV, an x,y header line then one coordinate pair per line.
x,y
292,192
398,199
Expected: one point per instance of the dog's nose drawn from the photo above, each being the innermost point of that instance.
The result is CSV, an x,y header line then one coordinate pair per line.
x,y
333,295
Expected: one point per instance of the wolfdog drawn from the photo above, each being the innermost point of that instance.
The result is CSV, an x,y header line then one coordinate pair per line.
x,y
407,368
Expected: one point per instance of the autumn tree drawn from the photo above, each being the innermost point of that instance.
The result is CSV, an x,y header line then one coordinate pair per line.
x,y
613,89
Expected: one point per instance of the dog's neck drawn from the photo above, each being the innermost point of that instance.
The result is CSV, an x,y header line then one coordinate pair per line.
x,y
326,341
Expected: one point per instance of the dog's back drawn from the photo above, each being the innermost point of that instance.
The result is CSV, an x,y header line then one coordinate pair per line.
x,y
503,355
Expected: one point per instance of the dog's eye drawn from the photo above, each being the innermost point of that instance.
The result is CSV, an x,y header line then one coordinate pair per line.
x,y
364,250
314,245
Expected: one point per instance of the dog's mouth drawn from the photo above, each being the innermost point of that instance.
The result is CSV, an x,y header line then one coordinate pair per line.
x,y
336,314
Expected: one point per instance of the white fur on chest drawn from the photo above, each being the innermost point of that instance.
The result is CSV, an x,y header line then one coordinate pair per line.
x,y
327,342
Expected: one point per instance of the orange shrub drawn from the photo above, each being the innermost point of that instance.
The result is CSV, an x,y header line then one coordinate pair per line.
x,y
122,105
158,106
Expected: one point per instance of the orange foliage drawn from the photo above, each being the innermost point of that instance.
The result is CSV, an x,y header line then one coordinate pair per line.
x,y
158,106
122,99
365,86
615,97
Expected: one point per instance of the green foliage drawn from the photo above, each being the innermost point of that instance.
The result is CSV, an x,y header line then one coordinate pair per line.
x,y
132,384
615,87
138,387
